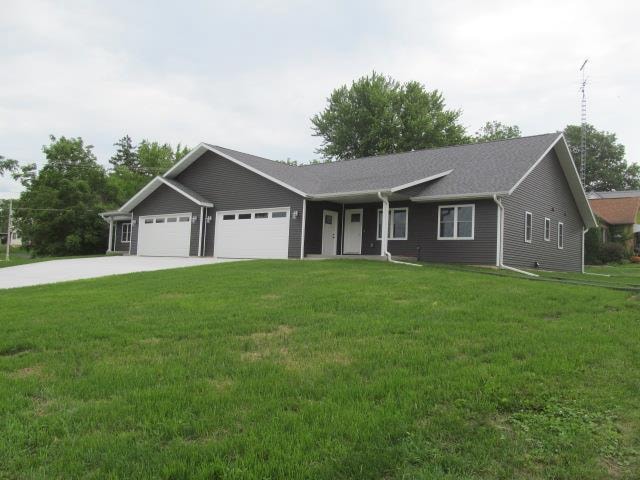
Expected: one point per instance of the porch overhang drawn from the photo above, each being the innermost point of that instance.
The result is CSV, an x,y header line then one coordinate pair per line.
x,y
115,216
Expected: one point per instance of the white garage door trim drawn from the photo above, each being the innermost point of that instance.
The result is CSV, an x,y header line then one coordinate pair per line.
x,y
165,241
252,237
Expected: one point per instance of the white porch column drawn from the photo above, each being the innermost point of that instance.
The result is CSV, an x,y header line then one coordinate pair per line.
x,y
385,225
110,249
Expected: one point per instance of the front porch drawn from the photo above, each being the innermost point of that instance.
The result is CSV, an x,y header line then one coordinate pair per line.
x,y
358,230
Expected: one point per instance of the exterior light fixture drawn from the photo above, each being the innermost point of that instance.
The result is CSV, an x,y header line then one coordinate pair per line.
x,y
295,214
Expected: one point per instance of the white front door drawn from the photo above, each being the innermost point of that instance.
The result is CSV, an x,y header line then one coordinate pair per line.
x,y
164,235
353,231
258,233
329,232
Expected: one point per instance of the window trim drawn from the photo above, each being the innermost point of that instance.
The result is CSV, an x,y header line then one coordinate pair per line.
x,y
455,221
528,215
547,229
122,233
560,237
391,211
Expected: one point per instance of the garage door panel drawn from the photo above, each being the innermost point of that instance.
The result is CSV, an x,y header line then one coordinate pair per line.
x,y
165,235
252,234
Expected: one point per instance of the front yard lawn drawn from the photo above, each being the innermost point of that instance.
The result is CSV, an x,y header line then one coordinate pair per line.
x,y
320,370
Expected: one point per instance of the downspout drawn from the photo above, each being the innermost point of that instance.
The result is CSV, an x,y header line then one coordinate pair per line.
x,y
500,241
131,235
110,247
304,226
385,232
200,232
584,232
204,241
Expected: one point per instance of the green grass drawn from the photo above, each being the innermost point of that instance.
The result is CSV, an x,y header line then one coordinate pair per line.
x,y
320,370
626,275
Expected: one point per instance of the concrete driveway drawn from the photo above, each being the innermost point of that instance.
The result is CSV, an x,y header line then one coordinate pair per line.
x,y
54,271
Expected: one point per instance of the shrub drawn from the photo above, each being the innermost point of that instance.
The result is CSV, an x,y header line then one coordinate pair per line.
x,y
613,252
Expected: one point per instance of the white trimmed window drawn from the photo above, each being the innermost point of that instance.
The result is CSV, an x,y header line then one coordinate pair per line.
x,y
125,237
456,222
398,224
560,235
547,229
528,226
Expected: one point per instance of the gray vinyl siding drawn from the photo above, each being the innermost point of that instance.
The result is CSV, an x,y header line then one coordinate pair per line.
x,y
118,244
422,242
165,200
544,193
232,187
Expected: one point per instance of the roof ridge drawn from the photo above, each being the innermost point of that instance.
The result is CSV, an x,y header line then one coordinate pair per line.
x,y
428,149
281,162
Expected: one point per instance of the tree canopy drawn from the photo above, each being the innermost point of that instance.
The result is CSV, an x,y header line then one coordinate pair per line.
x,y
59,209
494,130
606,168
378,115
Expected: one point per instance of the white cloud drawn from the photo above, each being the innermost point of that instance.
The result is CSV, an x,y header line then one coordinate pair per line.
x,y
251,78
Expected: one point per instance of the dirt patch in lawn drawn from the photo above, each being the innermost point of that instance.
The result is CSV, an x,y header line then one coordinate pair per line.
x,y
32,371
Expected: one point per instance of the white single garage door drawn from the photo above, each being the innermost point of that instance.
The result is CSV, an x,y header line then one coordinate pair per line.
x,y
262,233
164,235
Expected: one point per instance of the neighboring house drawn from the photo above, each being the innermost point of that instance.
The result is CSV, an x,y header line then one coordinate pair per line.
x,y
16,240
515,202
619,215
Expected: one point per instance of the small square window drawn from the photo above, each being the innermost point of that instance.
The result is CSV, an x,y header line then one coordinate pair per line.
x,y
279,215
159,220
172,219
261,215
184,219
355,218
328,219
244,216
148,220
229,217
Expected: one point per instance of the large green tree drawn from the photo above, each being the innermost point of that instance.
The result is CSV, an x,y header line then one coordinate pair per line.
x,y
491,131
606,168
59,209
378,115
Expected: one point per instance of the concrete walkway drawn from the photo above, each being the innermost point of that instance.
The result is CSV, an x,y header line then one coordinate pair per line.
x,y
54,271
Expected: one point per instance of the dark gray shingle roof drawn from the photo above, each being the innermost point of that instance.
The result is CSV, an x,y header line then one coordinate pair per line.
x,y
477,168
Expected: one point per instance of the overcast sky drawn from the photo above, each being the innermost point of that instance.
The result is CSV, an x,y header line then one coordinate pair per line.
x,y
249,75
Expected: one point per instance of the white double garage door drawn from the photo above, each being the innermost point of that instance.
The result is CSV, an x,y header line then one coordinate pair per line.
x,y
259,233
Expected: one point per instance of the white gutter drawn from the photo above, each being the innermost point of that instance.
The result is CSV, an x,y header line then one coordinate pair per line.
x,y
385,232
500,241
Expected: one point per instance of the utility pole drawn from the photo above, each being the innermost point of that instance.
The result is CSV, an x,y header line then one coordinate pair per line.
x,y
9,229
583,119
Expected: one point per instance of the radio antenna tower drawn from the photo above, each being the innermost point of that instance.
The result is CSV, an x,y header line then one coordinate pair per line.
x,y
583,119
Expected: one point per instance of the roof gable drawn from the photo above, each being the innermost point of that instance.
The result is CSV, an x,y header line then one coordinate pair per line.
x,y
154,184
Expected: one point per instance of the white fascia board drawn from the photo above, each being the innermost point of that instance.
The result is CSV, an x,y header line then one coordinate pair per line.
x,y
201,148
537,162
327,196
187,160
422,180
572,176
182,192
458,196
151,187
143,193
